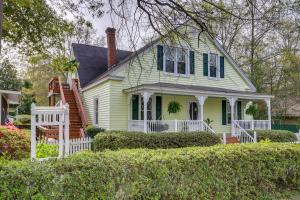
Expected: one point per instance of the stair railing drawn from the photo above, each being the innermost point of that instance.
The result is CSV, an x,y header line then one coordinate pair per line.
x,y
79,103
61,91
207,128
242,135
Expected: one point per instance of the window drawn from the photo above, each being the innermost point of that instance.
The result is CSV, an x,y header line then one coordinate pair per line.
x,y
149,109
96,111
170,59
176,60
214,68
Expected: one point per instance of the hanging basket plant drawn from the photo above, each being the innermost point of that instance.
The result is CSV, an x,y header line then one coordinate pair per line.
x,y
174,107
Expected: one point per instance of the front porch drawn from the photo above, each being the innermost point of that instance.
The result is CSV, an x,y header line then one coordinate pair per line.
x,y
202,109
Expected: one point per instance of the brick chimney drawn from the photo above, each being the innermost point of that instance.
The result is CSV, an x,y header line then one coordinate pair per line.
x,y
111,47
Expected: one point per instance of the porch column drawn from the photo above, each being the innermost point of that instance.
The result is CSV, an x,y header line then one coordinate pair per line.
x,y
268,102
146,96
232,101
201,101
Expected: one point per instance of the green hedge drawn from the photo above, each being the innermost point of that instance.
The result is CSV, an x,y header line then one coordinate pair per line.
x,y
275,135
249,171
91,131
132,140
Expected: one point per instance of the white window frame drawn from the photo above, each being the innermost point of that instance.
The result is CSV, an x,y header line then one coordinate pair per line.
x,y
187,62
96,111
218,66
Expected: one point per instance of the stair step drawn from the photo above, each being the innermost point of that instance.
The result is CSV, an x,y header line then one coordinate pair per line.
x,y
232,140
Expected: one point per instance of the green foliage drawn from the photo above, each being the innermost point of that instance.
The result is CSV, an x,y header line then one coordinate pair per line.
x,y
221,172
22,119
46,150
63,64
33,25
91,131
174,107
275,135
252,110
27,98
120,140
208,121
14,144
9,77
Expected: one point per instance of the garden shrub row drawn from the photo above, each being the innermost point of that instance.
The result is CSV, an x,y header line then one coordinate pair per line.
x,y
275,135
248,171
119,140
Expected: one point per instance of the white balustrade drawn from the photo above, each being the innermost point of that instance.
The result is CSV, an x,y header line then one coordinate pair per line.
x,y
169,126
253,124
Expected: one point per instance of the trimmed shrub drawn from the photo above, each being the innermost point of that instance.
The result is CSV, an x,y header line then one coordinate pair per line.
x,y
91,131
131,140
14,144
275,135
221,172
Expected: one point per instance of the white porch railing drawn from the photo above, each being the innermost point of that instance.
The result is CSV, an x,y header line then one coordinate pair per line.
x,y
242,135
169,126
253,124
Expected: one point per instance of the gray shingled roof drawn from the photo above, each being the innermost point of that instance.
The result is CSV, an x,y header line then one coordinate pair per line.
x,y
93,61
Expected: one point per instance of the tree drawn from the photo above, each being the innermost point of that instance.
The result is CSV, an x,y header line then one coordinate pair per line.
x,y
9,77
32,25
27,98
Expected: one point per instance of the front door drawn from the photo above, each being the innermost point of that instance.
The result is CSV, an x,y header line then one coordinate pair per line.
x,y
193,111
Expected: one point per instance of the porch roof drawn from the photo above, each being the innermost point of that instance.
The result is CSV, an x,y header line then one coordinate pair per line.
x,y
12,97
179,89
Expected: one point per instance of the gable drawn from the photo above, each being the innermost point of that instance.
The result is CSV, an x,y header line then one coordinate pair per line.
x,y
144,69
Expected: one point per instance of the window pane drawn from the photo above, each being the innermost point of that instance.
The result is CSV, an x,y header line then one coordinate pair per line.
x,y
213,65
181,53
170,66
181,68
170,59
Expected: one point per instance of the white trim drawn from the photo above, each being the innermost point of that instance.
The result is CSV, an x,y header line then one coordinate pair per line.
x,y
167,90
109,77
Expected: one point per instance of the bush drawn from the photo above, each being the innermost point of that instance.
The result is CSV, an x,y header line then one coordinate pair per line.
x,y
247,171
23,120
275,135
131,140
14,144
46,150
91,131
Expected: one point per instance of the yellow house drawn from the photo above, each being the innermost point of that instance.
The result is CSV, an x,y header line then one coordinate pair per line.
x,y
188,85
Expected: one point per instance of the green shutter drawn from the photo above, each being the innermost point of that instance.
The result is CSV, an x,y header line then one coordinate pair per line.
x,y
192,62
135,107
205,64
222,66
158,107
239,110
160,57
224,114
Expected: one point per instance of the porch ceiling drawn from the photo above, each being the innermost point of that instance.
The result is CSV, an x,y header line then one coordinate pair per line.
x,y
179,89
